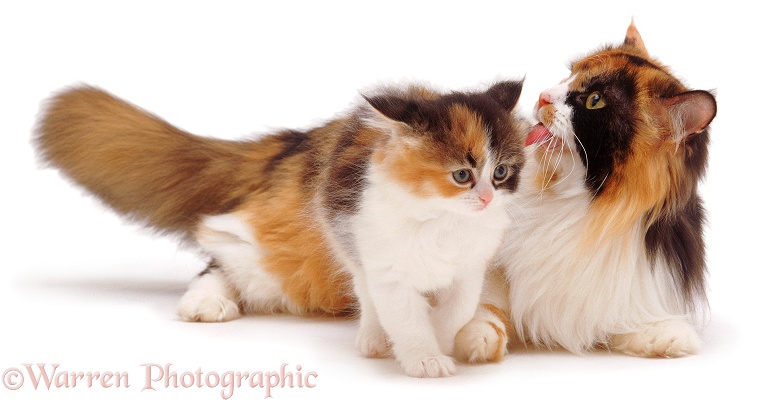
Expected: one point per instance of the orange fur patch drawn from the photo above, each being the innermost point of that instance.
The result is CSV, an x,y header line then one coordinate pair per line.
x,y
297,252
498,353
503,333
468,132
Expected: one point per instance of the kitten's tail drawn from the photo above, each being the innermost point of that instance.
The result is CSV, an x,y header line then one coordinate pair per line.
x,y
141,166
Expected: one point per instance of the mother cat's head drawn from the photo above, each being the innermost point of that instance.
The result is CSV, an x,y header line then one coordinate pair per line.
x,y
640,134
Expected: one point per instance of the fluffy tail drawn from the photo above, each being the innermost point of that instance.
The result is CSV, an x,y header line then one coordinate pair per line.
x,y
141,166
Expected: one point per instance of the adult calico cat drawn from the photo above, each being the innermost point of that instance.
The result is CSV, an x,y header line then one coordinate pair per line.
x,y
607,245
401,203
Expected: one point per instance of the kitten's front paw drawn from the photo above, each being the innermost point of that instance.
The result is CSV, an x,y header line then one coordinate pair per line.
x,y
430,367
669,338
481,341
372,342
207,307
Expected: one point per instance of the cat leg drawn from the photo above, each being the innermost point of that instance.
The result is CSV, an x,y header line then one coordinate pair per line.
x,y
229,240
454,307
674,337
404,315
372,340
209,299
485,337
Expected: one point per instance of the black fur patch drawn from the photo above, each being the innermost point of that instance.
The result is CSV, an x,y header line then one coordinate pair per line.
x,y
604,135
512,182
346,175
679,240
212,266
293,143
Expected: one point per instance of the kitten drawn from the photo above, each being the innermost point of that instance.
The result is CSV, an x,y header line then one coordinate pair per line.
x,y
400,204
607,245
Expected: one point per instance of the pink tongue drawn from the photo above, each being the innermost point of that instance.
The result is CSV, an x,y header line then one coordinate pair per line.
x,y
539,133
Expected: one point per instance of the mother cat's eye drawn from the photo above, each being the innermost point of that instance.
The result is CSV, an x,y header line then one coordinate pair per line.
x,y
500,172
595,101
462,176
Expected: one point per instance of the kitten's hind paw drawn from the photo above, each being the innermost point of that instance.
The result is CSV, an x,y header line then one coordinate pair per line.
x,y
483,339
208,299
207,308
669,338
430,367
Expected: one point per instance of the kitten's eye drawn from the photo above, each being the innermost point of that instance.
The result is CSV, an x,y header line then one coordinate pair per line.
x,y
595,101
462,176
500,172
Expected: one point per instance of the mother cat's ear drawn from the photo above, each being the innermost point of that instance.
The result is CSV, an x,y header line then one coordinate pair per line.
x,y
506,93
633,40
689,112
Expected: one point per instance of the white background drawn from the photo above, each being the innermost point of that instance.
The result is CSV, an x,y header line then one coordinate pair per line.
x,y
82,289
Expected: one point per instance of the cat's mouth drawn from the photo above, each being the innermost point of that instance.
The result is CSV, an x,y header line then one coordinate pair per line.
x,y
540,134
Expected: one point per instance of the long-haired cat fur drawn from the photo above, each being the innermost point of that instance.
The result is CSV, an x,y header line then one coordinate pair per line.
x,y
606,248
398,206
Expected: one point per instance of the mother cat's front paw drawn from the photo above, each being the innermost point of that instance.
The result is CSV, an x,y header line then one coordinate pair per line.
x,y
668,338
483,339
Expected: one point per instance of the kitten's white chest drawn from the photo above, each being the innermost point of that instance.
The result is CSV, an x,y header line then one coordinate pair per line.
x,y
408,240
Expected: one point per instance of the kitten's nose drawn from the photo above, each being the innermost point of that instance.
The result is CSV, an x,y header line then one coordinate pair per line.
x,y
545,99
484,192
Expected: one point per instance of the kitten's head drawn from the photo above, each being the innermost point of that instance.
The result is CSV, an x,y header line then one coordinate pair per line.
x,y
462,149
627,127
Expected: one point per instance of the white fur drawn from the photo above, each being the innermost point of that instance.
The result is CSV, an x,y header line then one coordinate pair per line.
x,y
411,248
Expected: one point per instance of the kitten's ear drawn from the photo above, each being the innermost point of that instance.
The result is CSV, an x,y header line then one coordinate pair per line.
x,y
506,93
398,109
690,112
633,40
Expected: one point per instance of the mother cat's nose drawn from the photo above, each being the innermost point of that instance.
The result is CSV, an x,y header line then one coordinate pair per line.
x,y
545,99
